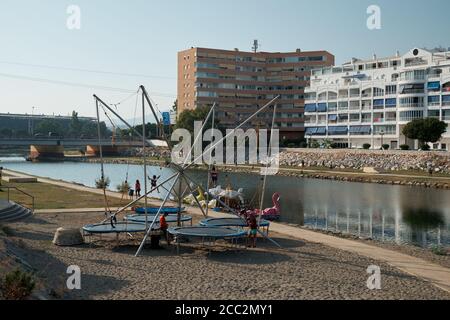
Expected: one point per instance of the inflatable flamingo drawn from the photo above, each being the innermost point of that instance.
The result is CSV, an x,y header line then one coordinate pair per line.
x,y
269,213
274,212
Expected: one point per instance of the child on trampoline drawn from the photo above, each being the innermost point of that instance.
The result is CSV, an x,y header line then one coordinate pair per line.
x,y
253,233
164,226
154,182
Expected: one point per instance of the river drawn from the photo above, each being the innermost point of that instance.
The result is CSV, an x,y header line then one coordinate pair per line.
x,y
399,214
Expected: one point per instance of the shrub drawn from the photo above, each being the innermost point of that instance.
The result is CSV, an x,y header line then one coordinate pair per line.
x,y
386,146
7,231
366,146
425,147
438,250
17,285
102,183
334,146
124,187
404,147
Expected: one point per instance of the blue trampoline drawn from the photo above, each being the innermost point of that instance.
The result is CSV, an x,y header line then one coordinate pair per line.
x,y
139,218
230,222
154,210
121,227
215,233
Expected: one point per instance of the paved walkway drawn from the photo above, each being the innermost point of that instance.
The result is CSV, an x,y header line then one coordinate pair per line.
x,y
435,274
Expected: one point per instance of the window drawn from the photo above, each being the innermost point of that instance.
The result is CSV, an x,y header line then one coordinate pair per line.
x,y
413,102
434,100
410,115
392,89
390,103
412,88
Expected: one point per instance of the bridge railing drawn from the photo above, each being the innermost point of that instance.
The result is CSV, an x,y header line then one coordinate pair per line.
x,y
8,192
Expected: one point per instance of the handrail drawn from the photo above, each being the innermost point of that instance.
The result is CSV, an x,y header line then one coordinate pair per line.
x,y
21,191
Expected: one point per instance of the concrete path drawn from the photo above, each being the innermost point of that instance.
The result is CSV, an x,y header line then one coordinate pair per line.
x,y
435,274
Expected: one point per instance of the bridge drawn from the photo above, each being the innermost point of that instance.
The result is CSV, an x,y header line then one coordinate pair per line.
x,y
53,148
65,142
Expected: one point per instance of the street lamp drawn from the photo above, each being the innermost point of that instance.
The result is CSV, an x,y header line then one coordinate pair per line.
x,y
32,121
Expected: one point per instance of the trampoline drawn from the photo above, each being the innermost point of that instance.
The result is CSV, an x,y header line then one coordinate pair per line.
x,y
207,232
97,231
139,218
234,222
230,222
153,210
120,227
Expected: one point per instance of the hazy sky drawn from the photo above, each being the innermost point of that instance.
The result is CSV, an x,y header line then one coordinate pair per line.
x,y
142,37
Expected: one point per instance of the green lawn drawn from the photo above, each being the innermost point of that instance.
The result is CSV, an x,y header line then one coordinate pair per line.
x,y
48,196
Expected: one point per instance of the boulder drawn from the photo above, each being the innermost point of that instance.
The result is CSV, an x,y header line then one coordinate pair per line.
x,y
68,237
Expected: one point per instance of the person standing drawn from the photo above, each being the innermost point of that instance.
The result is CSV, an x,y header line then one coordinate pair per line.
x,y
253,233
164,227
214,176
137,188
1,171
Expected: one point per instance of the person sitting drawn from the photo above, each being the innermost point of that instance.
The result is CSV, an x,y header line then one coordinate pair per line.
x,y
164,227
131,193
253,233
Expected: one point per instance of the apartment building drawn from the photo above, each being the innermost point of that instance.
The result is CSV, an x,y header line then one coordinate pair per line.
x,y
371,101
242,82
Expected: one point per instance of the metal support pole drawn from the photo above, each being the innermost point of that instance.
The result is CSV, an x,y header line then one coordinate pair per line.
x,y
156,217
209,167
180,201
144,150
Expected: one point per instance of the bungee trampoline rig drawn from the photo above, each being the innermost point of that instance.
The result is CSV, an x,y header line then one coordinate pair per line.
x,y
146,221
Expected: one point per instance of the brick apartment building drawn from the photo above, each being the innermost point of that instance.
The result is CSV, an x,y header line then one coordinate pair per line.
x,y
241,82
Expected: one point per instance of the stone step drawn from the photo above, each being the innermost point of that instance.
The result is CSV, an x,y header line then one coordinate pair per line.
x,y
25,214
13,212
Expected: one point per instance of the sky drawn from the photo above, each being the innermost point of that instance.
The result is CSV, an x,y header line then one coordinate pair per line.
x,y
123,44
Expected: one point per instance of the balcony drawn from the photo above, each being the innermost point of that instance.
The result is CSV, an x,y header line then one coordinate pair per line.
x,y
412,105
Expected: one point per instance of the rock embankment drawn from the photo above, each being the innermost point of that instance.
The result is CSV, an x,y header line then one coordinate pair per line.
x,y
387,161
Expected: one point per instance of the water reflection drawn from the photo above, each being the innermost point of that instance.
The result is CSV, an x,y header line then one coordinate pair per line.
x,y
381,212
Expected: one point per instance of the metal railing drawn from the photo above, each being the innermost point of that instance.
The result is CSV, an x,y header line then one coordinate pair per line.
x,y
22,192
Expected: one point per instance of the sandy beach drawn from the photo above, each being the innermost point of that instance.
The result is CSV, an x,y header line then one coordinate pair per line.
x,y
300,270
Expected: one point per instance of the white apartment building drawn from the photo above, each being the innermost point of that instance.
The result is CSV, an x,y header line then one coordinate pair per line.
x,y
371,101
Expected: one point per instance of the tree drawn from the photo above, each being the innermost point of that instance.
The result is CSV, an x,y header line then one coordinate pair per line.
x,y
187,118
175,106
428,130
89,129
75,125
6,133
48,126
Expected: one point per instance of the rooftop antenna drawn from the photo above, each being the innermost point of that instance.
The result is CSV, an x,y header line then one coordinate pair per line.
x,y
256,46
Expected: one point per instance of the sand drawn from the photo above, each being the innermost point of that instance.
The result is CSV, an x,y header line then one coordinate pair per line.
x,y
299,271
